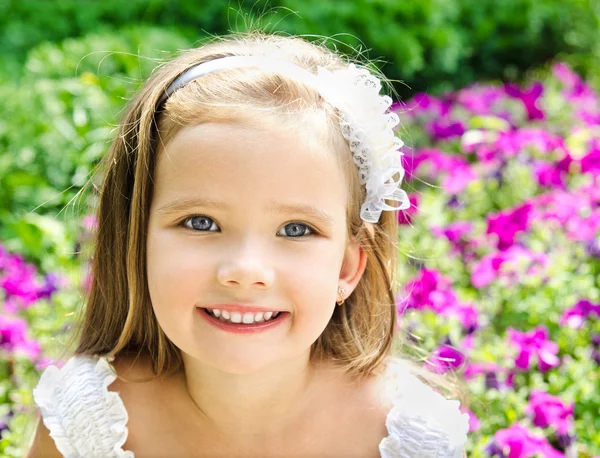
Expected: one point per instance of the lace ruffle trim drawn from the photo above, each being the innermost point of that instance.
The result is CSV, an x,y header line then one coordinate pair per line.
x,y
83,417
422,423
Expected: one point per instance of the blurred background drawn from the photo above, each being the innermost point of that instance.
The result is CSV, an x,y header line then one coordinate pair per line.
x,y
499,254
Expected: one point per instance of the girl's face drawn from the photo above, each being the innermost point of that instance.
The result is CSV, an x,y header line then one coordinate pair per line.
x,y
245,220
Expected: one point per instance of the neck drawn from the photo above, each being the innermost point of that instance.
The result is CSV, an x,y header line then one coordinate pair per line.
x,y
254,405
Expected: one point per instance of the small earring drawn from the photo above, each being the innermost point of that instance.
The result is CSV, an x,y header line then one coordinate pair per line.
x,y
342,293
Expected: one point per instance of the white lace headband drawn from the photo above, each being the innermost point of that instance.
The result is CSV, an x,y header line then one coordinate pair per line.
x,y
364,119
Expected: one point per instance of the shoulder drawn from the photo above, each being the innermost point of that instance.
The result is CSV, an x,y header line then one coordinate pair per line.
x,y
420,421
72,394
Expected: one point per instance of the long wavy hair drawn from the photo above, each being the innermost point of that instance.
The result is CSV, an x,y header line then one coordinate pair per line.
x,y
118,317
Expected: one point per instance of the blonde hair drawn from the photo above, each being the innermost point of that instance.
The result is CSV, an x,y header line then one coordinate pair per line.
x,y
118,318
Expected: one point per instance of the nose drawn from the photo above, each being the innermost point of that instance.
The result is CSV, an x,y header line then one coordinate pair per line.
x,y
246,266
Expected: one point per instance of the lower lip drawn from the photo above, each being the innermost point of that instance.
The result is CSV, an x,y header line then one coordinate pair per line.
x,y
242,328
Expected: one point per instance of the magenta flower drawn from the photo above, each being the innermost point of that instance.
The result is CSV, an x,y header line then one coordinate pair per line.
x,y
507,223
405,216
430,290
590,163
518,442
444,129
529,97
509,144
547,410
446,358
14,338
575,316
456,172
467,314
510,265
496,376
474,423
455,232
423,103
534,343
479,99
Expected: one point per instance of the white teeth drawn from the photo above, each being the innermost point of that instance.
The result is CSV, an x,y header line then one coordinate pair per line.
x,y
246,318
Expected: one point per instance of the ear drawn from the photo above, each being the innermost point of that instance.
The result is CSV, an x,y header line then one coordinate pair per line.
x,y
353,265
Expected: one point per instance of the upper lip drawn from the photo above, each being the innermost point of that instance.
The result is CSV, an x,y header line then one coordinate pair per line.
x,y
242,308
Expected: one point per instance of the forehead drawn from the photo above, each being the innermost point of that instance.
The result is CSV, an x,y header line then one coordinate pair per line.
x,y
252,164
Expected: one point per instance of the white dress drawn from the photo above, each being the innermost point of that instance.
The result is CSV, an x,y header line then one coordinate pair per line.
x,y
86,420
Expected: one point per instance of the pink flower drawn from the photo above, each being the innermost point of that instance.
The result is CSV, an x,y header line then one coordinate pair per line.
x,y
576,315
455,172
405,216
510,265
479,99
529,97
547,410
474,423
430,290
590,163
446,358
507,223
466,314
518,442
14,338
534,343
423,103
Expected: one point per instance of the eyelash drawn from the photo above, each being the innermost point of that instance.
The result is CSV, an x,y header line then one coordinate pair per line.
x,y
311,230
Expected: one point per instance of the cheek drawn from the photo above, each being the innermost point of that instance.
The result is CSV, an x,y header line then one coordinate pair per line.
x,y
314,282
175,272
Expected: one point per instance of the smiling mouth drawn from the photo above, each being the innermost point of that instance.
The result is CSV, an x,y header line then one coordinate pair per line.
x,y
247,318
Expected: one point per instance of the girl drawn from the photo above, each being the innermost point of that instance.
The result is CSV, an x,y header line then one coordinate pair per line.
x,y
242,302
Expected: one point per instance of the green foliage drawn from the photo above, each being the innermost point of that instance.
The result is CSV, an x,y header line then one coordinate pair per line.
x,y
432,45
57,124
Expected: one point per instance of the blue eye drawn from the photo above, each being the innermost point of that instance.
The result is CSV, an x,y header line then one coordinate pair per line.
x,y
296,230
201,223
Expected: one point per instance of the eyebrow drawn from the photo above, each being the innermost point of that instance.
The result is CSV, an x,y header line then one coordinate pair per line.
x,y
183,204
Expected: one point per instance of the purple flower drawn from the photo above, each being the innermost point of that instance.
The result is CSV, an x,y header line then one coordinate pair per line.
x,y
534,343
552,174
446,358
529,97
575,316
405,216
444,129
509,144
13,337
456,172
510,265
423,103
20,284
507,223
518,442
430,290
479,99
547,410
590,163
466,314
454,232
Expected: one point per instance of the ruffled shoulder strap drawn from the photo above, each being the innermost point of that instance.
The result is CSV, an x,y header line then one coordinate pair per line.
x,y
83,417
422,423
